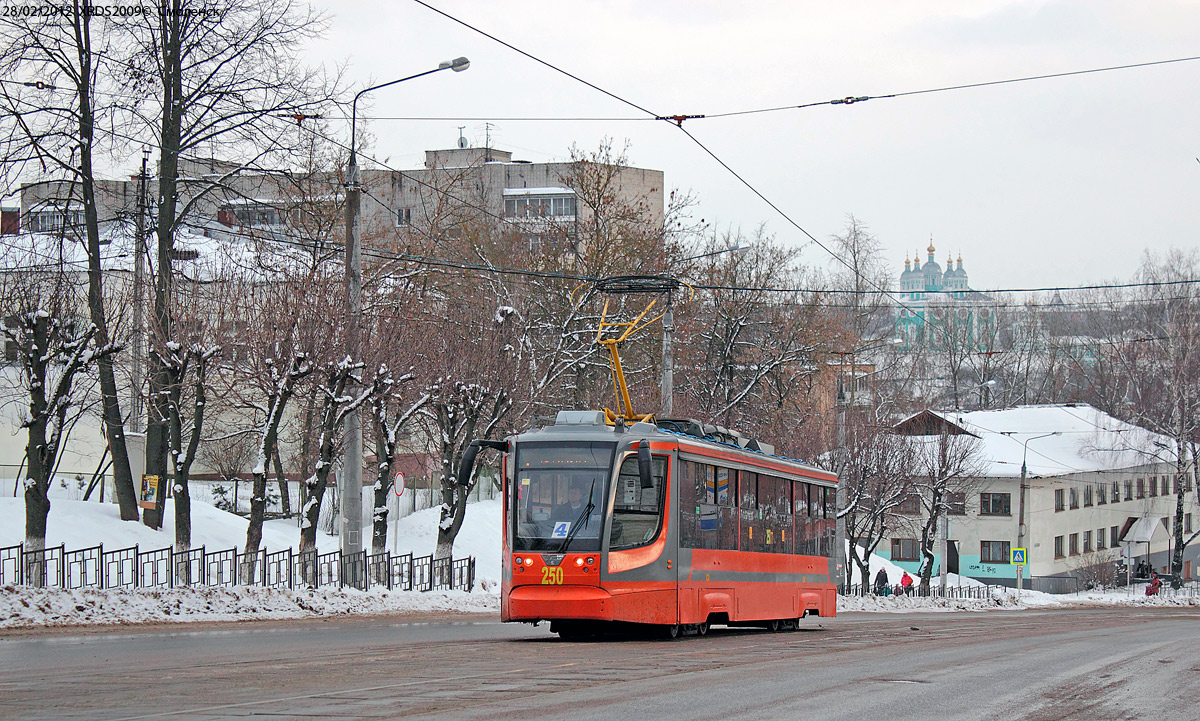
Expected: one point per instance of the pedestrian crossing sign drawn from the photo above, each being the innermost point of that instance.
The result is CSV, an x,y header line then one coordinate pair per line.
x,y
1018,557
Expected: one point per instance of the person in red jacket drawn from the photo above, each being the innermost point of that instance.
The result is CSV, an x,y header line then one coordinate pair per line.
x,y
1154,585
906,583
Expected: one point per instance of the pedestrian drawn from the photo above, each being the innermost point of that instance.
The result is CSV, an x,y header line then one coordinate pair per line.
x,y
1154,585
906,583
881,583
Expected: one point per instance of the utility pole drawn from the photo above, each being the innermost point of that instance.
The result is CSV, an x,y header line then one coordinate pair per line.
x,y
139,299
943,534
351,476
668,360
350,479
1021,533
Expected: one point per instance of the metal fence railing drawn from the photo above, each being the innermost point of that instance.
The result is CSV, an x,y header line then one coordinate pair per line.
x,y
935,591
93,567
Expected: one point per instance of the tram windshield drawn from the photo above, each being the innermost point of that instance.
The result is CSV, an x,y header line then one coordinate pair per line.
x,y
559,494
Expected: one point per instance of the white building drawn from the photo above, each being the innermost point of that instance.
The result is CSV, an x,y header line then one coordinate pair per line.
x,y
1097,489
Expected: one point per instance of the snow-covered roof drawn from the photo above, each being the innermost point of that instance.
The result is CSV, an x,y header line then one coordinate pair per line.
x,y
539,191
1143,530
1087,439
26,250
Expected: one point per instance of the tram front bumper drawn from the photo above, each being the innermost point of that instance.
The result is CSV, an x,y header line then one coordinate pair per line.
x,y
536,603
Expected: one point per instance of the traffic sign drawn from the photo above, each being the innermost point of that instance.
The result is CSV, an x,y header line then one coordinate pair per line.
x,y
1018,557
398,484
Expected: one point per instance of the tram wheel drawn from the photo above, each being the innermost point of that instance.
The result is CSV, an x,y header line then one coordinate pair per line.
x,y
775,626
702,628
669,632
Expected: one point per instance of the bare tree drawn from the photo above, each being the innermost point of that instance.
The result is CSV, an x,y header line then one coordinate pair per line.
x,y
391,413
58,129
944,464
460,413
1147,368
226,78
54,348
874,468
748,354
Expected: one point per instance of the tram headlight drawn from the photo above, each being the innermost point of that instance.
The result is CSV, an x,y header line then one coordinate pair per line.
x,y
579,561
590,560
517,560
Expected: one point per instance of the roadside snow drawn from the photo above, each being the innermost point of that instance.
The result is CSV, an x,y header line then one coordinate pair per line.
x,y
81,524
31,607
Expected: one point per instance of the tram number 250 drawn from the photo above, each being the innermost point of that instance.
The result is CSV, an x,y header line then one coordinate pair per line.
x,y
552,576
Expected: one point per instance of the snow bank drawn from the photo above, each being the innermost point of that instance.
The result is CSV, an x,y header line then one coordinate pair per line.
x,y
30,607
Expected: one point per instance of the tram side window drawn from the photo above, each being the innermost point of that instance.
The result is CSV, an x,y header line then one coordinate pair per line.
x,y
637,512
691,495
784,522
804,531
752,538
828,522
766,512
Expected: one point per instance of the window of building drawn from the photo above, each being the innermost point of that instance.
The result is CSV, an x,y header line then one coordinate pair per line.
x,y
1166,485
1058,547
956,504
1099,539
1141,488
404,216
1101,494
1128,490
910,506
1060,499
540,206
1153,486
1073,544
250,214
1187,523
1116,492
47,221
1073,494
995,504
994,551
1114,536
1087,541
1087,495
905,549
1187,484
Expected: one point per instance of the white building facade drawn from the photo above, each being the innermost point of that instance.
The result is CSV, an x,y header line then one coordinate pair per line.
x,y
1097,498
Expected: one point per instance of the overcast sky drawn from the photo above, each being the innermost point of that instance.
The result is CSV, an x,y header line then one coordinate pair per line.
x,y
1053,182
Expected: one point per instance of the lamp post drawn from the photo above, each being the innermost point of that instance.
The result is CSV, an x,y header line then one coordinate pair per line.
x,y
667,386
1021,507
350,479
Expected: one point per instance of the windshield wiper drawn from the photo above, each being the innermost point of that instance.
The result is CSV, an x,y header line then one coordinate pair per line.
x,y
580,521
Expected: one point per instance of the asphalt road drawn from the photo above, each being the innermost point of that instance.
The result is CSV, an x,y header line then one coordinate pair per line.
x,y
1038,665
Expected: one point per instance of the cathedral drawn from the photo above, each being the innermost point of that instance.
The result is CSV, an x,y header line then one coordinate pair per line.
x,y
938,308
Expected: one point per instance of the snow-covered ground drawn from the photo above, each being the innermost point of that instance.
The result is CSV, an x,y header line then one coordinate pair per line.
x,y
81,524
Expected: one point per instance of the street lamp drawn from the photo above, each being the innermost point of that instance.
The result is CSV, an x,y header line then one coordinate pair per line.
x,y
1021,506
667,386
350,480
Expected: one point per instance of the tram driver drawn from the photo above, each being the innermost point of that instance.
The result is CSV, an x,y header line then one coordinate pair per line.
x,y
572,511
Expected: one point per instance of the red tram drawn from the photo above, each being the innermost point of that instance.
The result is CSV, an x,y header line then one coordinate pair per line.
x,y
672,524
